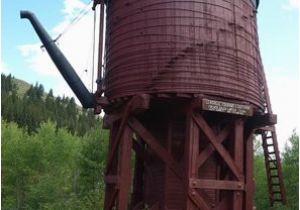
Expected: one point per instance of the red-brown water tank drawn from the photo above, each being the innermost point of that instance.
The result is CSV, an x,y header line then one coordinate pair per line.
x,y
205,47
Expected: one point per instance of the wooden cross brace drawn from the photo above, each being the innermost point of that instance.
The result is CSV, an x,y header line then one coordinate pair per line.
x,y
124,142
216,145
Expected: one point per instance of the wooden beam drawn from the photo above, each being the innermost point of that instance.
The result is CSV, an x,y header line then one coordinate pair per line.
x,y
190,159
110,189
216,184
258,121
135,105
192,148
111,179
139,103
110,202
249,171
198,201
152,142
218,146
209,149
238,159
118,137
109,120
125,169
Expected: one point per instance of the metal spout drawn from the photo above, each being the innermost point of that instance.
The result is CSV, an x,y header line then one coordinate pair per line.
x,y
65,68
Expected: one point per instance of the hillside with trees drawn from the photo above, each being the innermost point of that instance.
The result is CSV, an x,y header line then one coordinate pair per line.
x,y
29,106
53,154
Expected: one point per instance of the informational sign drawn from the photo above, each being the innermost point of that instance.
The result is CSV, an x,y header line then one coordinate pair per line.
x,y
226,107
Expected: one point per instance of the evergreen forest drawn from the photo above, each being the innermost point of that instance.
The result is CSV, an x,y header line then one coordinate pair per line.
x,y
53,154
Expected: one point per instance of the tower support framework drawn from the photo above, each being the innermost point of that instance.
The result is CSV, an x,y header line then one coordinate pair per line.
x,y
169,153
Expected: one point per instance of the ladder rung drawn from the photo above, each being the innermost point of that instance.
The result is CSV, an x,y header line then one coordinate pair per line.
x,y
275,184
272,161
277,200
276,192
269,137
268,145
272,169
274,176
271,153
263,129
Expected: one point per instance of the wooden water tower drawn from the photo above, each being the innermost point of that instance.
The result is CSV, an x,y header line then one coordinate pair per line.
x,y
183,90
186,92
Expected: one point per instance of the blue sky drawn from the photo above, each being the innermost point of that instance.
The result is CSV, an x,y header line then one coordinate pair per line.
x,y
17,32
278,32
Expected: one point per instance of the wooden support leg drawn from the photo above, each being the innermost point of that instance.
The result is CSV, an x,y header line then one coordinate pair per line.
x,y
191,153
249,173
239,160
125,169
193,199
111,188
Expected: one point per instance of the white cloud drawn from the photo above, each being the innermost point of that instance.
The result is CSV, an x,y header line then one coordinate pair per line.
x,y
38,59
294,3
72,7
76,44
291,4
71,10
4,68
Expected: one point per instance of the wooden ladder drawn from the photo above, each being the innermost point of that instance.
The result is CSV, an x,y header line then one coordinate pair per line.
x,y
273,166
276,186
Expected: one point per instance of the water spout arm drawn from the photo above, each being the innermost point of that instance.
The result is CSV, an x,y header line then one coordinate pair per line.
x,y
65,68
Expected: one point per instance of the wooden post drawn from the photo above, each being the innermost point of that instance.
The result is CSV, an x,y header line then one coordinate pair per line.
x,y
249,191
111,187
125,169
239,160
191,154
